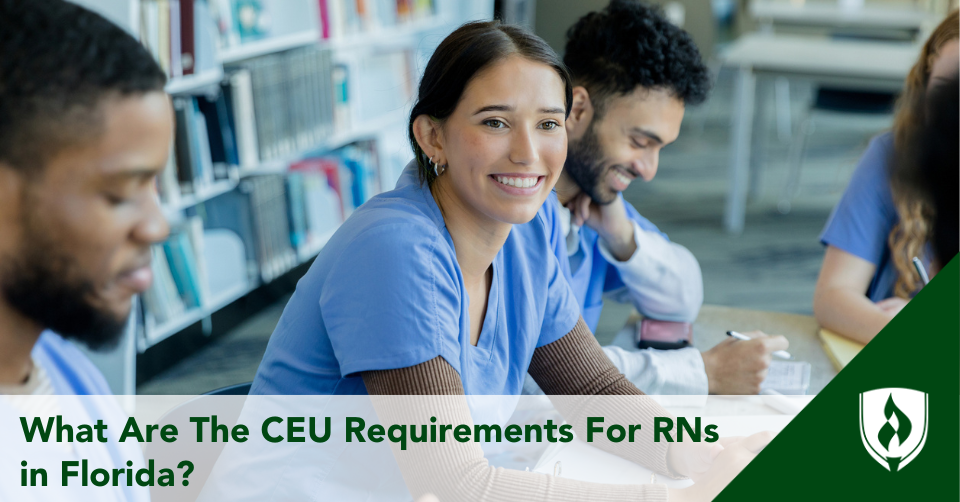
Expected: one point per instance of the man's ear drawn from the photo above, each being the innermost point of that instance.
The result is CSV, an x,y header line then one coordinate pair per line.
x,y
429,136
581,113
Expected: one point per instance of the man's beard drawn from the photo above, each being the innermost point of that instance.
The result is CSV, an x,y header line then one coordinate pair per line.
x,y
47,287
585,165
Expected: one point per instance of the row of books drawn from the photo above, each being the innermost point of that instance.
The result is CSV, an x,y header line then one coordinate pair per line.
x,y
281,219
240,21
289,101
180,34
340,18
243,21
270,108
179,273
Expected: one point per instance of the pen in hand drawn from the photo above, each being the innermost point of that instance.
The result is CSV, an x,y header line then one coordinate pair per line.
x,y
782,354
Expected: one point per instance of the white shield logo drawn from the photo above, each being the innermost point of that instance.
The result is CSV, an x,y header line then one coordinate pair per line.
x,y
893,425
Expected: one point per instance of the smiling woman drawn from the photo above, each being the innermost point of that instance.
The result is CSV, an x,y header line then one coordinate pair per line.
x,y
447,285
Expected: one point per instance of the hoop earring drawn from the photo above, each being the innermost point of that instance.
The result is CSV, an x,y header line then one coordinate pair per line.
x,y
436,172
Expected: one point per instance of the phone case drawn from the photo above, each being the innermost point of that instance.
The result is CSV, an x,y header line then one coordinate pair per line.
x,y
663,335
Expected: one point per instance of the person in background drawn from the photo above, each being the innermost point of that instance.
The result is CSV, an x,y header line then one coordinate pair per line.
x,y
930,165
878,226
634,73
85,127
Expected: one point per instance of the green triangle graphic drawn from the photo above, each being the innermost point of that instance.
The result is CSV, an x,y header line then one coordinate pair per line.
x,y
820,456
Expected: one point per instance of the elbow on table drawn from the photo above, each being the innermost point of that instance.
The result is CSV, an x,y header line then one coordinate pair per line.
x,y
826,307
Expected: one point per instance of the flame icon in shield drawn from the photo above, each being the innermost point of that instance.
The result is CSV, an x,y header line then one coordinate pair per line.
x,y
893,425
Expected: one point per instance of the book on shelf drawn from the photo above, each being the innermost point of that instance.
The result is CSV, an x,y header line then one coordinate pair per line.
x,y
240,21
204,150
283,104
320,205
239,94
180,280
162,300
342,18
180,34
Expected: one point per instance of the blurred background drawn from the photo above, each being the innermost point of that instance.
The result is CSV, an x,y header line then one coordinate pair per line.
x,y
292,113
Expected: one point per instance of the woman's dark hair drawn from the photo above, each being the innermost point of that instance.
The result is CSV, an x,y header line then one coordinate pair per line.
x,y
460,57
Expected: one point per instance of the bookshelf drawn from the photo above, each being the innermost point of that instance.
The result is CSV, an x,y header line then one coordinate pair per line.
x,y
269,46
194,84
356,150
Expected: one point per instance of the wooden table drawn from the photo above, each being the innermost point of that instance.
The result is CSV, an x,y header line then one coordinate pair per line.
x,y
801,331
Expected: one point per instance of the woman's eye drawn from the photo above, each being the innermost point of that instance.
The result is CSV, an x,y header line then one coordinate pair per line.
x,y
494,123
551,125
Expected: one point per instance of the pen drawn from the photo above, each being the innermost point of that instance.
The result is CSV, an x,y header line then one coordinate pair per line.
x,y
782,354
917,264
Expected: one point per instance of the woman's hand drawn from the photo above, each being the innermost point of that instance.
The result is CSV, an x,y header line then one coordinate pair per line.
x,y
693,459
731,459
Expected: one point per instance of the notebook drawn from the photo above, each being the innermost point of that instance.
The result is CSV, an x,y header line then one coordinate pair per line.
x,y
839,349
788,377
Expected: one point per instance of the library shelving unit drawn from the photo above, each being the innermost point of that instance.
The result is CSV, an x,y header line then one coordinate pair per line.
x,y
358,38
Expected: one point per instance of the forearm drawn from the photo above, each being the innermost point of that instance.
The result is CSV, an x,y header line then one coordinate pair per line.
x,y
457,471
848,313
662,278
581,381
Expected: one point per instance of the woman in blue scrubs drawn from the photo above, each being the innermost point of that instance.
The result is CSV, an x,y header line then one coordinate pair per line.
x,y
447,284
879,225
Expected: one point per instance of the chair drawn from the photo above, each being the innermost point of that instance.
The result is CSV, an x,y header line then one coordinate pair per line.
x,y
834,101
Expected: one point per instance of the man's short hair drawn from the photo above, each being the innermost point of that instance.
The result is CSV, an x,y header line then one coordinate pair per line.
x,y
629,45
58,62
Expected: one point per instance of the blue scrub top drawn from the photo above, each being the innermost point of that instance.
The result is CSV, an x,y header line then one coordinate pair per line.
x,y
863,219
386,292
590,275
72,373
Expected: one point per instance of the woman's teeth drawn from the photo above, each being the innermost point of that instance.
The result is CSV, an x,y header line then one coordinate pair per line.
x,y
518,182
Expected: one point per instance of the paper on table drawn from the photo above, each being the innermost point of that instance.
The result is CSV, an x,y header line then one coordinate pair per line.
x,y
788,377
581,461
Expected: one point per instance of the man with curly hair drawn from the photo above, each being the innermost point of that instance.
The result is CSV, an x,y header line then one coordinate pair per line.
x,y
634,74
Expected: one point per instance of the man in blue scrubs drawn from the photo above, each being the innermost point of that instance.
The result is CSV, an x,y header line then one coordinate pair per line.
x,y
85,127
635,73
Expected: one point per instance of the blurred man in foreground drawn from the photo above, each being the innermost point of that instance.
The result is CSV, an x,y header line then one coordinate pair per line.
x,y
85,127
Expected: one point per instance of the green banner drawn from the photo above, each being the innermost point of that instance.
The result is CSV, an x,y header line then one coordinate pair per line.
x,y
886,428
